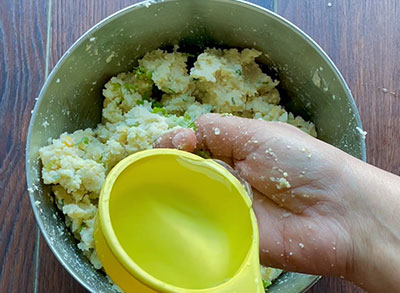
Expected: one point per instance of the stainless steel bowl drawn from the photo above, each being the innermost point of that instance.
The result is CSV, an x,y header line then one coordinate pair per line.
x,y
71,97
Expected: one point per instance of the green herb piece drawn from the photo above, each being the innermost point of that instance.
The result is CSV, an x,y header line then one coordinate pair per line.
x,y
149,74
157,105
140,70
162,111
141,73
84,140
192,125
130,87
51,164
171,91
190,121
118,101
204,154
266,284
184,121
238,72
81,227
140,102
115,86
146,96
233,101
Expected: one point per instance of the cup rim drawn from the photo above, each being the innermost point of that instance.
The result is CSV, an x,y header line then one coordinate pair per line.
x,y
117,249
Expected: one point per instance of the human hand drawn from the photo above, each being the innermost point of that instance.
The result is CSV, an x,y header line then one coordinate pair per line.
x,y
310,200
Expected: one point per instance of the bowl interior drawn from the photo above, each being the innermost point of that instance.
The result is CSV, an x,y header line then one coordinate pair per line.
x,y
71,97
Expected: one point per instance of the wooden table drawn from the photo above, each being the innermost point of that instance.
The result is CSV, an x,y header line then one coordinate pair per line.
x,y
361,36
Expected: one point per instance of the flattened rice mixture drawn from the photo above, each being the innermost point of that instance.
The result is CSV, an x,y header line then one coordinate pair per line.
x,y
160,95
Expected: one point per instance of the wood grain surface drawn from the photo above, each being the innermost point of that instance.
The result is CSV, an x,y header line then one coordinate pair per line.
x,y
23,27
361,36
363,40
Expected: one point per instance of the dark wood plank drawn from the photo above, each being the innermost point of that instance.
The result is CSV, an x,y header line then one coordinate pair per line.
x,y
362,38
70,19
73,18
52,275
269,4
23,26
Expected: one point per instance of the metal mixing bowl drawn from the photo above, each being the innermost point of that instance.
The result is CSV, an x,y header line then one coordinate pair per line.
x,y
71,97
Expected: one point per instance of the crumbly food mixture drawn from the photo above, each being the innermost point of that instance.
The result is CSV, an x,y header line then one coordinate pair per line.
x,y
160,95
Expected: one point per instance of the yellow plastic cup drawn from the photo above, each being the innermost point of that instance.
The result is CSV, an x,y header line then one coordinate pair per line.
x,y
171,221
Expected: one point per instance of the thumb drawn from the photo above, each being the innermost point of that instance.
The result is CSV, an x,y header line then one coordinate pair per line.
x,y
181,139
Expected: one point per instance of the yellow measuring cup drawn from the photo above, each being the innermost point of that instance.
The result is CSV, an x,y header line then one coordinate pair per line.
x,y
171,221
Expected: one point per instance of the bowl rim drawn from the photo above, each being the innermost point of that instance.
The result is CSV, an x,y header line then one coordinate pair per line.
x,y
146,4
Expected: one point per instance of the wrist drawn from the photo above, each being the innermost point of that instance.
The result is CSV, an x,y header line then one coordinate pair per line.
x,y
375,228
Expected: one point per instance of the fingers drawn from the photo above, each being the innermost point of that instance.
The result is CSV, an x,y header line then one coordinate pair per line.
x,y
181,139
269,217
247,142
227,136
280,235
271,156
282,243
